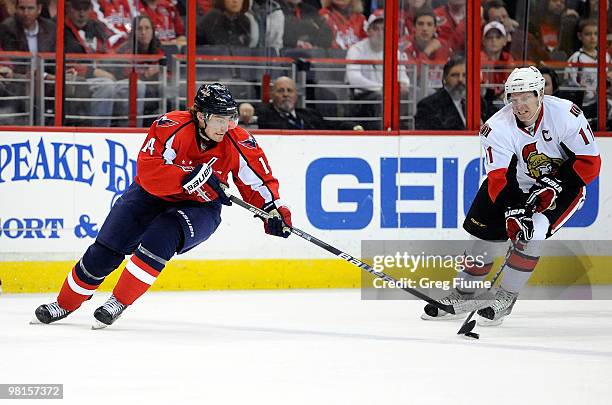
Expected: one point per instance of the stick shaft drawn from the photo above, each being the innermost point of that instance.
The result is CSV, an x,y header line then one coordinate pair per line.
x,y
345,256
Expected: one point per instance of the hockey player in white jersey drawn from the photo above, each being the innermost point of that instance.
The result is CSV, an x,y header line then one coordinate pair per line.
x,y
540,153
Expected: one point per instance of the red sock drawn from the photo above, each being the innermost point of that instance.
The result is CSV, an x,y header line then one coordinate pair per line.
x,y
135,280
74,292
477,270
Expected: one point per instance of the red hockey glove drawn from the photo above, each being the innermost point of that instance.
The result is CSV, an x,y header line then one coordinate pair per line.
x,y
519,224
280,222
205,184
546,190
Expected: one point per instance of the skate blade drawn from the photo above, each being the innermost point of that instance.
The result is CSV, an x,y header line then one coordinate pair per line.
x,y
446,317
99,325
35,321
488,322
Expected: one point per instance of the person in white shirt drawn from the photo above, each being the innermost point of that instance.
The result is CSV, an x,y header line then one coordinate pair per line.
x,y
367,79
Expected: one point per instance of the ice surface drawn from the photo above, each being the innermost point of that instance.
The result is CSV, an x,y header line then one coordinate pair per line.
x,y
308,347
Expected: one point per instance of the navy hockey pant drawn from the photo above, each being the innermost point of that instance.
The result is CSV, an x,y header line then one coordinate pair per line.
x,y
143,222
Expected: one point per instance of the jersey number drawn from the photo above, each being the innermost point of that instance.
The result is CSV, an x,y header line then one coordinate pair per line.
x,y
584,136
263,164
490,154
149,146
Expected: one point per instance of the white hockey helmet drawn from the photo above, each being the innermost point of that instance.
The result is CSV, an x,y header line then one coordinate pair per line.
x,y
524,79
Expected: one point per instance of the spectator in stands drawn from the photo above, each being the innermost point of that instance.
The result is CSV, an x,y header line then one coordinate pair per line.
x,y
585,77
425,47
445,109
203,6
267,24
494,59
49,10
27,31
142,41
451,24
366,78
495,10
346,21
117,16
520,44
84,35
553,26
551,88
589,9
225,24
7,9
304,27
168,23
408,10
7,106
282,113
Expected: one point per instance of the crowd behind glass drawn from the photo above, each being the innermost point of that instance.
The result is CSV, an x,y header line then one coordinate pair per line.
x,y
560,36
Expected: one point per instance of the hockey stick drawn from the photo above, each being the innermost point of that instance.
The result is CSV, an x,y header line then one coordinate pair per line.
x,y
379,274
468,325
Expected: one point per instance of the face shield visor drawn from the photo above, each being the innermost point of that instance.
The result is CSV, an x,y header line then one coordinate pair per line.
x,y
221,122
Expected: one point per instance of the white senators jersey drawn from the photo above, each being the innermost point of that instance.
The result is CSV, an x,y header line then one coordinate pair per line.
x,y
559,144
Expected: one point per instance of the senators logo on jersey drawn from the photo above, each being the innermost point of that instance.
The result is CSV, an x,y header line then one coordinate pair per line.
x,y
539,164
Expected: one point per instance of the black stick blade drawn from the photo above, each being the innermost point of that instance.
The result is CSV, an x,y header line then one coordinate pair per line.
x,y
465,328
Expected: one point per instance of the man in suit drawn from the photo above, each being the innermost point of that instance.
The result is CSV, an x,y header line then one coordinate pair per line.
x,y
25,31
445,109
282,113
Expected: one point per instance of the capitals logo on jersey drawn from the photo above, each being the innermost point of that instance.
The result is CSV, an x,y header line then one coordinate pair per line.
x,y
164,121
539,164
249,143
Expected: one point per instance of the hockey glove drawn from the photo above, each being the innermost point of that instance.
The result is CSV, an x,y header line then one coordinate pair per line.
x,y
279,222
546,190
519,224
202,181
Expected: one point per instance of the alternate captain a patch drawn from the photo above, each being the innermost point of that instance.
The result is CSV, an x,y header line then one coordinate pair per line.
x,y
164,121
250,143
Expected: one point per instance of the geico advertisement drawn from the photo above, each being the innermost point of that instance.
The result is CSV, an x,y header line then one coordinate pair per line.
x,y
57,188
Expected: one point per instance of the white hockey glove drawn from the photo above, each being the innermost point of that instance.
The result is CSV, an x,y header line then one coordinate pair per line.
x,y
202,181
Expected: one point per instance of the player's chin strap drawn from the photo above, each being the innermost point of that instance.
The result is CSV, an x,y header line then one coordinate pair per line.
x,y
202,130
345,256
537,111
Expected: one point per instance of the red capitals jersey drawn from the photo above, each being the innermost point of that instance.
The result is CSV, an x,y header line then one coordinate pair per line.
x,y
416,54
173,148
116,15
449,30
345,31
167,20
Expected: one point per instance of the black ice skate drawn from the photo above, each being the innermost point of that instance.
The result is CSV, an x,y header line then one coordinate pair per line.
x,y
48,313
494,314
108,313
462,304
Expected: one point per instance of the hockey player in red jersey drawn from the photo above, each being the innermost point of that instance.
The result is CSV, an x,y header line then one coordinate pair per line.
x,y
540,153
174,203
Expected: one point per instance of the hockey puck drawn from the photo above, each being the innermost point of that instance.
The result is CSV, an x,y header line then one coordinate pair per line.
x,y
473,335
